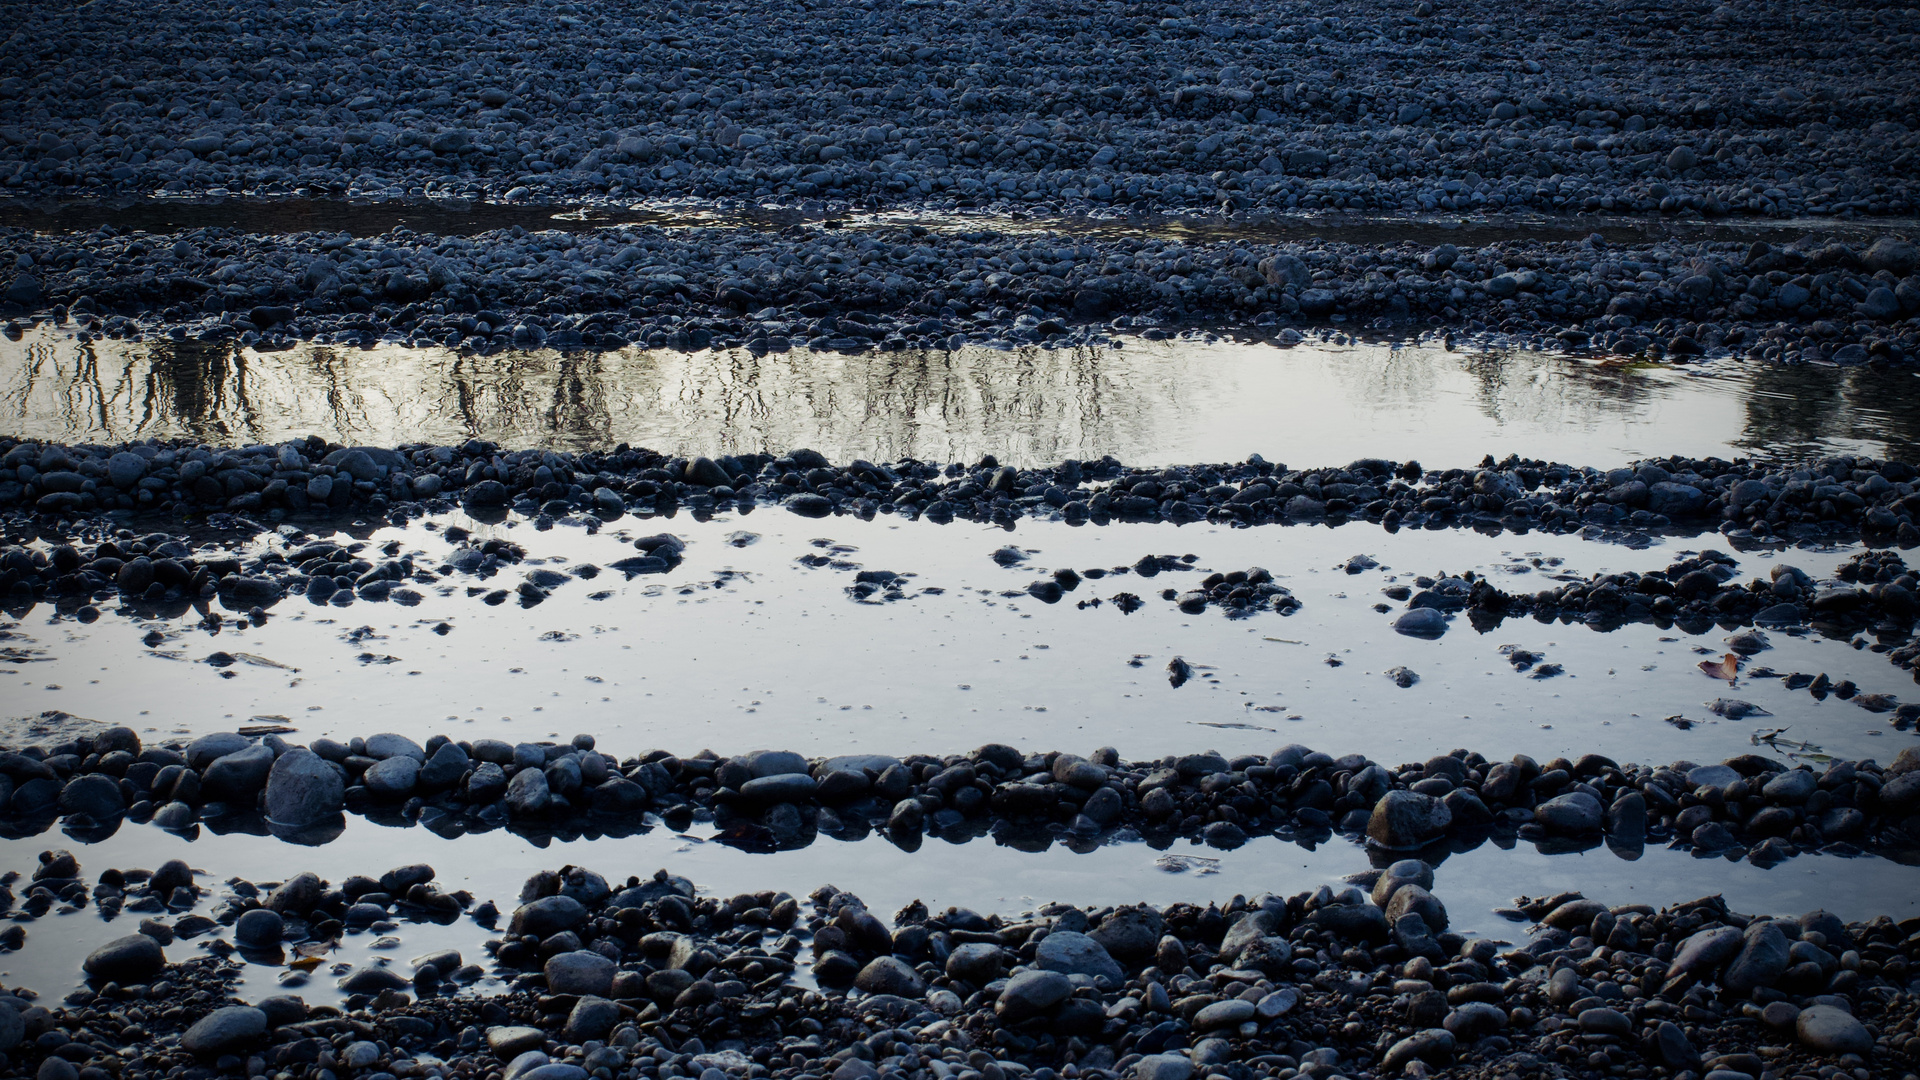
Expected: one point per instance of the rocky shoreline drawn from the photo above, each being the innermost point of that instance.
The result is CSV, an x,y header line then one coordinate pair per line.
x,y
1750,806
647,978
905,286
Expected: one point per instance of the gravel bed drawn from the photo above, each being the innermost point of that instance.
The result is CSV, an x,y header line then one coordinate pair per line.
x,y
1747,108
68,491
906,286
644,978
1752,806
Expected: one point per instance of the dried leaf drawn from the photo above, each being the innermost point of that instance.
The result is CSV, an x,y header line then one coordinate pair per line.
x,y
305,963
1727,667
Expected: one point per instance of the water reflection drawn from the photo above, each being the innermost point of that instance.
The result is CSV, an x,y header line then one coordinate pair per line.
x,y
1806,408
1146,402
462,217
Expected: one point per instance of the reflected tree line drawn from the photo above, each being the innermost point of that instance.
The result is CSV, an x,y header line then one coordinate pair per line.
x,y
1033,404
1029,404
1793,409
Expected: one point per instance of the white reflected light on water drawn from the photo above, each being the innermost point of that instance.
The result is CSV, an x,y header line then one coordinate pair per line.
x,y
981,874
1144,402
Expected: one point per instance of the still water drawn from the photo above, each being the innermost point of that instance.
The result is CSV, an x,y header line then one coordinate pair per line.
x,y
1144,402
755,640
463,217
980,875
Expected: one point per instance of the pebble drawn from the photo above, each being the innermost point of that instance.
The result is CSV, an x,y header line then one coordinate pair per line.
x,y
225,1029
1832,1030
580,972
130,959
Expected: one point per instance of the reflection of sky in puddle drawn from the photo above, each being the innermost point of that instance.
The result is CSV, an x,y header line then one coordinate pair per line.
x,y
981,874
1146,402
743,646
746,647
462,217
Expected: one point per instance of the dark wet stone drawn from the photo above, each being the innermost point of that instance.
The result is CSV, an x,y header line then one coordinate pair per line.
x,y
134,958
258,929
1423,622
1404,820
1074,953
548,915
1031,993
1831,1030
224,1030
580,972
96,796
1575,813
890,975
239,776
302,788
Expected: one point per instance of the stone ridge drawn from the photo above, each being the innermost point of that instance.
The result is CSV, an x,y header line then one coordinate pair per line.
x,y
1830,499
773,800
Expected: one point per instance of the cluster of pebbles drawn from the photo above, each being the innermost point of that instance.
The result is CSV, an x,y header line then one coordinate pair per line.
x,y
1831,499
1872,590
1748,806
905,286
611,980
1209,105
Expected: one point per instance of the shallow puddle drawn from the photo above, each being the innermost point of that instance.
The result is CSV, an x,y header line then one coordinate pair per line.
x,y
982,875
758,640
462,217
764,634
1145,402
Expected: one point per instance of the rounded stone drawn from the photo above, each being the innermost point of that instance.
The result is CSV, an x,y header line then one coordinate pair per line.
x,y
259,929
1031,993
224,1029
1403,872
302,788
976,962
1407,819
890,975
1074,953
131,959
1224,1014
580,972
1832,1030
1422,623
